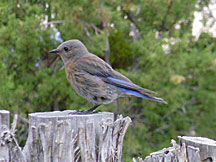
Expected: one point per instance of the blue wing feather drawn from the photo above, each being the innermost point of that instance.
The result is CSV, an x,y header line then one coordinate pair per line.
x,y
119,81
127,84
138,94
129,88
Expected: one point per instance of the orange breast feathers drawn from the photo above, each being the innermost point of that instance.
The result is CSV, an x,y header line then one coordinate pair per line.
x,y
70,69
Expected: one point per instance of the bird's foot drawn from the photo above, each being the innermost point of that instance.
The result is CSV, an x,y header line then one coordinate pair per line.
x,y
83,112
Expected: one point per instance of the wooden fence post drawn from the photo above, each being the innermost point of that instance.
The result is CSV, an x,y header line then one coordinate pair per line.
x,y
68,137
4,127
190,149
204,148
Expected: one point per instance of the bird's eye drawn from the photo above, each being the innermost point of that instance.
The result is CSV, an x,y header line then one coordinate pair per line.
x,y
66,49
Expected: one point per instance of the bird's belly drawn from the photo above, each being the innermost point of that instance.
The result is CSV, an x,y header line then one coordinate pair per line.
x,y
93,90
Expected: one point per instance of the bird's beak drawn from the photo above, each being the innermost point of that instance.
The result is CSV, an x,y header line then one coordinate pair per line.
x,y
54,51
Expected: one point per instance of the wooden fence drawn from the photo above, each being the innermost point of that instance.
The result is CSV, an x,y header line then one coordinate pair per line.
x,y
64,136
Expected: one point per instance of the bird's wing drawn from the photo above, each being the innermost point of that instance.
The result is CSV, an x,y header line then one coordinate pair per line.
x,y
96,66
128,85
93,65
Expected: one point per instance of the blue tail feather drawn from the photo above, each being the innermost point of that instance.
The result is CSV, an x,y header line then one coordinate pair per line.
x,y
127,85
138,94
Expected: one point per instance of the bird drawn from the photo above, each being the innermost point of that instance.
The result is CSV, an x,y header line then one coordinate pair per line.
x,y
94,79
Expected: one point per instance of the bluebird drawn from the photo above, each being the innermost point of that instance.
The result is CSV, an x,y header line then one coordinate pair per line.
x,y
94,79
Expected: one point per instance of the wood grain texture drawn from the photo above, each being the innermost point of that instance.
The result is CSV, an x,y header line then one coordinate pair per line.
x,y
69,137
4,128
190,149
65,137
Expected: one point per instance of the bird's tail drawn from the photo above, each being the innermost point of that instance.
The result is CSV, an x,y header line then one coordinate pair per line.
x,y
143,95
129,88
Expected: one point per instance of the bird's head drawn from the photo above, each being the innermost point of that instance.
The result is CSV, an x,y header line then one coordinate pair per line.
x,y
70,50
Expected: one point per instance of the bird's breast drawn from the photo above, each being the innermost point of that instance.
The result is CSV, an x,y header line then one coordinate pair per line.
x,y
70,69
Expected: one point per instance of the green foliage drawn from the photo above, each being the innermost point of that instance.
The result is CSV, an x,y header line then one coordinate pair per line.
x,y
184,76
120,50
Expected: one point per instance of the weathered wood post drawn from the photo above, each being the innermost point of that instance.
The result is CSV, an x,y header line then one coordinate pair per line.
x,y
199,148
67,137
190,149
4,126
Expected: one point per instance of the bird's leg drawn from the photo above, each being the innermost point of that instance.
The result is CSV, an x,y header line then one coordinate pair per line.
x,y
93,108
89,111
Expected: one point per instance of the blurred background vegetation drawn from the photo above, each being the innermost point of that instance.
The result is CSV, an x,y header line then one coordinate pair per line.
x,y
150,41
